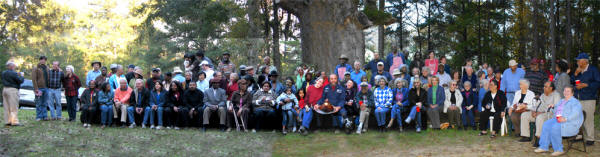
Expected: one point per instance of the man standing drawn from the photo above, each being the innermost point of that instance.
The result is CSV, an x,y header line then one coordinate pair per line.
x,y
380,71
277,86
510,80
154,78
95,72
130,72
357,73
55,79
39,78
103,77
10,94
141,99
210,73
536,77
342,68
114,80
587,82
178,75
335,95
372,65
122,101
226,66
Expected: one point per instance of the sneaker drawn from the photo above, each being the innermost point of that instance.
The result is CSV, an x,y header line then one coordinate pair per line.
x,y
228,130
253,130
103,126
123,126
284,132
539,150
294,129
525,139
555,153
158,127
144,126
132,125
169,127
418,130
84,125
358,131
400,130
337,131
364,130
152,126
177,128
408,120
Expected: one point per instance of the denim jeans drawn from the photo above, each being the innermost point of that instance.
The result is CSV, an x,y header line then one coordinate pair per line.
x,y
148,115
468,117
72,107
288,118
160,112
306,117
54,103
106,114
380,114
551,136
397,114
131,114
41,104
415,116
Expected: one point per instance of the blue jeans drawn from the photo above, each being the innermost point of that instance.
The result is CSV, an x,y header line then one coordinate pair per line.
x,y
148,115
261,115
72,107
131,114
160,113
416,116
306,117
41,104
337,118
54,103
106,114
551,135
288,118
380,115
468,114
397,114
510,97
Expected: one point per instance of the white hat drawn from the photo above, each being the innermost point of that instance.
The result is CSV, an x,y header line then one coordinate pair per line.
x,y
177,70
379,63
512,62
204,63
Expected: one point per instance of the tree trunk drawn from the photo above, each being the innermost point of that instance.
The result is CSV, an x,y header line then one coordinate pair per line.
x,y
568,29
327,30
534,29
381,32
552,36
254,32
419,41
429,47
275,26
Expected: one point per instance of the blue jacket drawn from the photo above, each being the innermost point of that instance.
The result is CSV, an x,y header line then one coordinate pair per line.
x,y
510,81
372,65
385,74
440,98
105,98
336,97
472,79
113,81
590,77
278,88
404,92
472,100
158,99
481,93
574,114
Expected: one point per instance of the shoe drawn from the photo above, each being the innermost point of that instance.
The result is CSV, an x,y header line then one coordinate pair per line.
x,y
418,130
102,127
228,130
481,133
37,120
158,127
408,120
132,125
555,153
18,124
589,143
177,128
253,130
364,130
123,126
304,131
152,126
203,129
144,126
337,131
294,129
525,139
169,127
536,143
358,131
539,150
284,131
400,130
84,125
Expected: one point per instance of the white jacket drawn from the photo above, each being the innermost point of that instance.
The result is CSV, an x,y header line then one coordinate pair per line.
x,y
528,99
448,103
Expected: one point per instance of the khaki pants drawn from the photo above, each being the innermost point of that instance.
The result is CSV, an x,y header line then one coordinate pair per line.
x,y
208,111
123,109
588,107
539,120
364,118
515,118
454,117
10,100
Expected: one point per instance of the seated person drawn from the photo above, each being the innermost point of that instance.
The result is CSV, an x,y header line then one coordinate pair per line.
x,y
334,94
214,101
542,112
157,105
89,104
241,102
140,98
193,98
417,97
567,119
180,112
264,105
365,100
287,101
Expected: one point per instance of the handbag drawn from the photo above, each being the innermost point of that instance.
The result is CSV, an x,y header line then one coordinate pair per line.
x,y
503,127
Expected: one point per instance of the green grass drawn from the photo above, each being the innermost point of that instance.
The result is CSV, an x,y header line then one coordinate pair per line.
x,y
61,138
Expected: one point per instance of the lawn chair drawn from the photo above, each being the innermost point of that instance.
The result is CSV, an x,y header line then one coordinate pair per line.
x,y
573,139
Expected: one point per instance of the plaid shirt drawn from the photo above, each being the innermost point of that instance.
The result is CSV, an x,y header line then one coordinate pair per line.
x,y
383,97
55,78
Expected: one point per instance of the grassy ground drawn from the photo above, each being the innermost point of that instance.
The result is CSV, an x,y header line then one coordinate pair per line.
x,y
60,138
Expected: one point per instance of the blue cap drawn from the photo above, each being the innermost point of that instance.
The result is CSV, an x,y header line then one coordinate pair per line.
x,y
583,55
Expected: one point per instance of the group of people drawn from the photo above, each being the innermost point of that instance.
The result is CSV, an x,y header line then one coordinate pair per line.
x,y
417,93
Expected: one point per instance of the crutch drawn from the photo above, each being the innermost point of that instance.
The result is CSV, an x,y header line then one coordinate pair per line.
x,y
237,125
242,119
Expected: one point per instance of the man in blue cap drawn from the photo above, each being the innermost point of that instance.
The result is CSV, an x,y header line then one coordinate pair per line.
x,y
587,82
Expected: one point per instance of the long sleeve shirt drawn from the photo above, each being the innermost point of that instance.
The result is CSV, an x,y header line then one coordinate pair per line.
x,y
289,105
313,95
91,75
10,78
591,77
510,80
123,96
336,95
383,97
158,99
105,98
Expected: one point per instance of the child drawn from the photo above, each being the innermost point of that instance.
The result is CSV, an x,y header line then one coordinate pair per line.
x,y
299,108
287,101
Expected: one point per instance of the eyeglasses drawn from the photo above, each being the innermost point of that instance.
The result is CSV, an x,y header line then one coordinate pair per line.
x,y
453,84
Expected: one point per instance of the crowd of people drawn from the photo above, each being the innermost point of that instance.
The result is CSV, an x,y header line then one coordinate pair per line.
x,y
418,93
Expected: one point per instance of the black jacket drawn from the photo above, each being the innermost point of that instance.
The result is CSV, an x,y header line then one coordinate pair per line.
x,y
173,101
144,98
89,99
193,99
499,101
413,98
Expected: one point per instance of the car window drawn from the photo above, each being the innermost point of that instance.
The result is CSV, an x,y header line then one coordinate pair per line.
x,y
27,84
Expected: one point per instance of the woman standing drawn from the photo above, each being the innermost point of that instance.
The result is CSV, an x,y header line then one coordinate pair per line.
x,y
494,103
71,84
399,102
383,101
432,63
105,100
561,79
157,105
89,104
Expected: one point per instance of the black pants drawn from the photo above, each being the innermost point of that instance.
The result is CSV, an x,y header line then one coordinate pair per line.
x,y
484,119
168,118
183,117
87,113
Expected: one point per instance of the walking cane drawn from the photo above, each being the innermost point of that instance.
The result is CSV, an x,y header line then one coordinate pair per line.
x,y
242,119
237,125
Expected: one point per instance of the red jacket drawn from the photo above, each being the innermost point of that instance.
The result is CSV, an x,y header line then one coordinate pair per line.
x,y
230,89
313,95
71,85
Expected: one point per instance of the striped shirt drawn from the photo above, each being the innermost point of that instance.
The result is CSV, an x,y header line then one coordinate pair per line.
x,y
55,78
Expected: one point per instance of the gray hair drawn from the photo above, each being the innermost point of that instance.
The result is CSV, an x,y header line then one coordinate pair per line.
x,y
119,66
465,83
234,75
400,80
379,78
10,63
70,67
357,62
525,81
426,69
122,79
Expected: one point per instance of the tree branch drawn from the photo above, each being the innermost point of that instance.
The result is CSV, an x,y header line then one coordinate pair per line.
x,y
292,6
